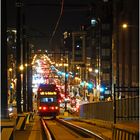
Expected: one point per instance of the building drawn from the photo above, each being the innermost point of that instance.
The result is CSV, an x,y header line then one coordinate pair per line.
x,y
99,44
126,43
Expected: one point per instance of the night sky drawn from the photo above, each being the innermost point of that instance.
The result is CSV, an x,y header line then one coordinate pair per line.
x,y
42,16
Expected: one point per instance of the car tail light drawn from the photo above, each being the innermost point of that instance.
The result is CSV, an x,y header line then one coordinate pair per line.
x,y
40,108
56,107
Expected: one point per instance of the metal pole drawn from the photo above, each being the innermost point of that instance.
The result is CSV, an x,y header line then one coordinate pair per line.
x,y
99,48
29,80
65,89
28,75
18,57
25,68
117,62
65,82
114,105
116,44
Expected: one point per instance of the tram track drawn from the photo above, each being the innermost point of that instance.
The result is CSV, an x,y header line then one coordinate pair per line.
x,y
58,129
104,132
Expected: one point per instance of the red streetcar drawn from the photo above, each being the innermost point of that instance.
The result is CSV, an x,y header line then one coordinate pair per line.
x,y
48,100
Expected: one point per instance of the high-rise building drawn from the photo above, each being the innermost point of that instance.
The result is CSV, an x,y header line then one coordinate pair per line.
x,y
99,43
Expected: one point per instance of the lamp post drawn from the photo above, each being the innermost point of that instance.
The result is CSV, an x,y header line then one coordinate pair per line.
x,y
127,31
66,86
18,57
96,73
95,21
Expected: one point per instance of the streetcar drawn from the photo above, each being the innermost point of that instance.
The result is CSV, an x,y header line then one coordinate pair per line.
x,y
48,100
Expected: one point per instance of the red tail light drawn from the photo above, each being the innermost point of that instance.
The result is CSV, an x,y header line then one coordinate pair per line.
x,y
52,107
77,107
44,108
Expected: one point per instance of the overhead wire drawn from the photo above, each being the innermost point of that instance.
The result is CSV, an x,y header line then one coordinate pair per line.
x,y
57,23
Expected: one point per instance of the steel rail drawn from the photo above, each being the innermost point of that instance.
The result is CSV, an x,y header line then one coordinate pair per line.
x,y
77,129
46,130
82,131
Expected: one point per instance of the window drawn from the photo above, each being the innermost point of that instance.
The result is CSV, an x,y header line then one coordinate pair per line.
x,y
105,64
48,100
106,77
106,40
105,26
105,52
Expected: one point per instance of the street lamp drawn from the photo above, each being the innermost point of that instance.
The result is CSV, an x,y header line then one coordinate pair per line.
x,y
124,25
21,67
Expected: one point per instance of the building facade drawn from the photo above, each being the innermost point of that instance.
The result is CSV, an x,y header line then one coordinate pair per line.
x,y
126,43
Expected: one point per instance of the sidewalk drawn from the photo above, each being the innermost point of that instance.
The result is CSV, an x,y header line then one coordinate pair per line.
x,y
31,132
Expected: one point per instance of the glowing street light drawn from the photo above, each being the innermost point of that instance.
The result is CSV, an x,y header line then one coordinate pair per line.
x,y
26,65
124,25
21,67
96,70
90,69
10,69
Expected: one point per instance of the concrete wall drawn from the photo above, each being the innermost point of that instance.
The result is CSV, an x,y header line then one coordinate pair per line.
x,y
126,109
97,110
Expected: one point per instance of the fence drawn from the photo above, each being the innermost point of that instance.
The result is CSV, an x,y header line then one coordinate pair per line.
x,y
97,110
126,103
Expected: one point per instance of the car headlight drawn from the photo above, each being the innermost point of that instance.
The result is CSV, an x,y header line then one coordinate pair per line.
x,y
10,109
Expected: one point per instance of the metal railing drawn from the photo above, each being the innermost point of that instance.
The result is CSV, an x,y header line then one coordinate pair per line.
x,y
126,103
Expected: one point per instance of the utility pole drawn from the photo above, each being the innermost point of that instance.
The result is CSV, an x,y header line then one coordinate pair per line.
x,y
66,79
25,67
4,89
18,56
117,47
29,80
65,88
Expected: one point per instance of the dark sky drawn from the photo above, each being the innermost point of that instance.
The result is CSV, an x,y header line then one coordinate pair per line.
x,y
42,16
